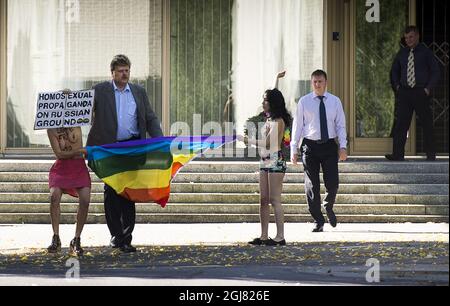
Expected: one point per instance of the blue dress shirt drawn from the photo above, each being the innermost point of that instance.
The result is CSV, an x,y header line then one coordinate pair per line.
x,y
127,123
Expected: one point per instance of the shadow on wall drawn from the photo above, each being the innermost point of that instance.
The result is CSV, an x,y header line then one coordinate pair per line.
x,y
16,135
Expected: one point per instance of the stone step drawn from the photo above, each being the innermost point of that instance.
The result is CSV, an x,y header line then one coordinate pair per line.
x,y
68,218
232,198
371,190
354,165
438,189
345,178
217,208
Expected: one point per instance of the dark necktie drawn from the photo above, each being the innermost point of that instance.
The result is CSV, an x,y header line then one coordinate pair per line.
x,y
323,121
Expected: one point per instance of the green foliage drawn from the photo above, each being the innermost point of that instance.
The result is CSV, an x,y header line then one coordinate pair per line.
x,y
200,56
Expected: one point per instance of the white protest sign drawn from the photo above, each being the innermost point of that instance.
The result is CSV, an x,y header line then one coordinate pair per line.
x,y
64,110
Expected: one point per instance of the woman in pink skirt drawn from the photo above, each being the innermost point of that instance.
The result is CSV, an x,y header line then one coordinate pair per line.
x,y
69,175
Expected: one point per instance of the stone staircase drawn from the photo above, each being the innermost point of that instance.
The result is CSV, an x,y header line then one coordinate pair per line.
x,y
371,191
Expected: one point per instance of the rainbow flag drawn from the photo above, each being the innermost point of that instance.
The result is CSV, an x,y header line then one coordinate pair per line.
x,y
142,170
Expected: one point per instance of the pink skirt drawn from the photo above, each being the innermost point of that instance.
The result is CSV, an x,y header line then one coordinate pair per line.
x,y
69,175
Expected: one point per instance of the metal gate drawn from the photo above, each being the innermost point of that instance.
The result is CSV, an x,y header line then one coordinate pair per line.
x,y
432,21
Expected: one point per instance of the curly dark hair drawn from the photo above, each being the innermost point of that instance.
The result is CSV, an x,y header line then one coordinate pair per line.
x,y
278,106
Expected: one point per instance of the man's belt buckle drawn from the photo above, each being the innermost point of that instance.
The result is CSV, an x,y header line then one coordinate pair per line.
x,y
321,142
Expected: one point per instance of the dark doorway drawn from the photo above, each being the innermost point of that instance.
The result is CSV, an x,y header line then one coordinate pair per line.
x,y
432,16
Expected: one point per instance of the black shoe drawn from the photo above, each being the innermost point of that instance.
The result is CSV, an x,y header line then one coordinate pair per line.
x,y
392,157
257,241
431,158
55,247
272,242
75,247
114,243
318,228
128,248
331,217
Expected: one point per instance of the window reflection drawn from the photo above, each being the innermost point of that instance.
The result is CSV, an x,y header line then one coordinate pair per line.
x,y
57,44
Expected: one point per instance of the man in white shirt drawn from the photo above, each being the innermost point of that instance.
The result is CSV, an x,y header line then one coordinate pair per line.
x,y
319,121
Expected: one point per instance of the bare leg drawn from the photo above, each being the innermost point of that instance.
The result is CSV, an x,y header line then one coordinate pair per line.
x,y
276,188
83,209
264,201
55,208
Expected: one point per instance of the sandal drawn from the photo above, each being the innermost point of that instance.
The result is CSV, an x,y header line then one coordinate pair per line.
x,y
55,247
75,247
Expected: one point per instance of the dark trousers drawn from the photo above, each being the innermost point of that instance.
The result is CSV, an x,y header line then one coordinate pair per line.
x,y
313,157
120,216
411,100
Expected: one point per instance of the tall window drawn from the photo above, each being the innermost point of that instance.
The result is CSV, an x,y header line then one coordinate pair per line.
x,y
269,36
226,53
200,59
57,44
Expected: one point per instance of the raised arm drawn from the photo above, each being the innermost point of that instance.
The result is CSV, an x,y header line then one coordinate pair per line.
x,y
280,75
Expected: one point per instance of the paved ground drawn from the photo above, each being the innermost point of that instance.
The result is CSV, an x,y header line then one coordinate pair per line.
x,y
217,254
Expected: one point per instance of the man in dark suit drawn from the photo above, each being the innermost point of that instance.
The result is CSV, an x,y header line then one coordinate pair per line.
x,y
415,73
122,112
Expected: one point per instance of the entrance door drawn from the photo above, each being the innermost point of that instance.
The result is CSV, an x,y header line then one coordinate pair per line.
x,y
375,40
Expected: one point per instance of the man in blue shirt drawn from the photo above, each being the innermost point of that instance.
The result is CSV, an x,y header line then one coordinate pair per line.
x,y
122,112
415,73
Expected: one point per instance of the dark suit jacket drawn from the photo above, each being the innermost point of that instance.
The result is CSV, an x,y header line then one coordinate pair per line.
x,y
104,128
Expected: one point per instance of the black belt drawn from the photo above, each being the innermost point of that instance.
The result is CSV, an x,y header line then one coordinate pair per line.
x,y
319,142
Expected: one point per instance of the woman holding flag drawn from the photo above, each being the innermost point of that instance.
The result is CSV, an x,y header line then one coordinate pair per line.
x,y
275,133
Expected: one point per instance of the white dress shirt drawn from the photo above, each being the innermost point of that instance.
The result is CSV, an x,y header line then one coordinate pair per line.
x,y
307,120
